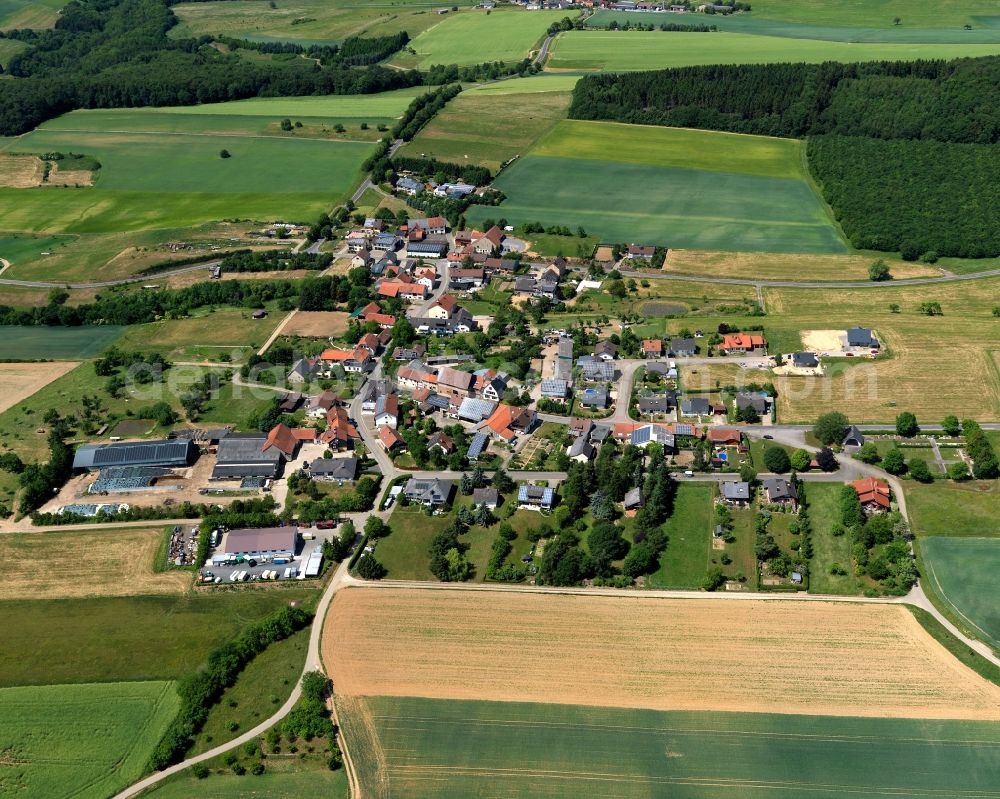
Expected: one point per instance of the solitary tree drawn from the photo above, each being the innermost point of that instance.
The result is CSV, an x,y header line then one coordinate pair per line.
x,y
826,460
951,425
893,461
878,271
868,453
224,154
831,428
777,460
801,460
906,425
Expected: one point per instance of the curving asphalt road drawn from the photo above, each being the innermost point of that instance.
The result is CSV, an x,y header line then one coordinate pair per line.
x,y
811,284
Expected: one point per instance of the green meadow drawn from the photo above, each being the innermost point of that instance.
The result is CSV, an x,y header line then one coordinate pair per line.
x,y
962,573
10,48
56,343
477,37
540,83
29,13
954,509
284,784
882,13
684,562
837,31
642,50
432,748
466,129
81,741
662,186
304,21
162,168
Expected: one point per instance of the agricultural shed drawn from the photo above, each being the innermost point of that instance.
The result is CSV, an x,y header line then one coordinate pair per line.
x,y
135,453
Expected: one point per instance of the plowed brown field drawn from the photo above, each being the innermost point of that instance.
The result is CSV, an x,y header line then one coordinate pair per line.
x,y
770,656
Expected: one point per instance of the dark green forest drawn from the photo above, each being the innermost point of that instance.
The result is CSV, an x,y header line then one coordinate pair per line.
x,y
905,152
912,196
116,54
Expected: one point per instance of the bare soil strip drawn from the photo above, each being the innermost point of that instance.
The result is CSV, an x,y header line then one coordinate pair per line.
x,y
18,381
816,658
316,324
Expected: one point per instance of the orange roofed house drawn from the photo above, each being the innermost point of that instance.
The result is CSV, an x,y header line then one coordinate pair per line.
x,y
873,493
339,433
741,343
507,421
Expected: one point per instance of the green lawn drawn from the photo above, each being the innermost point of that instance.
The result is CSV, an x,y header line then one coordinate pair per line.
x,y
620,199
85,741
643,50
284,784
466,129
742,549
954,509
824,512
543,82
477,37
260,690
689,539
962,573
444,749
56,343
843,26
128,638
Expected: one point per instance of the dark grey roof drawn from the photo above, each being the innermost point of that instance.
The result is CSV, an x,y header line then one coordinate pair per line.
x,y
696,406
594,396
736,490
860,337
804,360
682,345
433,492
177,452
335,468
656,403
581,446
241,455
778,489
485,496
854,436
600,432
633,499
747,400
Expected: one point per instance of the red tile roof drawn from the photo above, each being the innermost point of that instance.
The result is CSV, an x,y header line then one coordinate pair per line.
x,y
872,490
389,437
281,438
742,341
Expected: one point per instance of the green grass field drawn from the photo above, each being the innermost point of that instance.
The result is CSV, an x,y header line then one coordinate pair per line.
x,y
845,27
81,741
828,549
543,82
161,168
443,749
655,197
18,248
29,13
477,37
954,509
304,21
689,539
56,343
128,638
466,129
962,573
259,691
880,14
311,784
10,48
641,50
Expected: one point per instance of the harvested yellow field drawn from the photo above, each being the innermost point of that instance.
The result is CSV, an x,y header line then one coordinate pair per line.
x,y
316,324
762,656
85,563
18,381
21,171
786,266
70,177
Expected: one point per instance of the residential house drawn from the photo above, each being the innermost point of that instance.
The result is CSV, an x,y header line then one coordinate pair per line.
x,y
454,384
303,370
390,440
873,493
489,497
780,491
581,450
505,266
507,421
644,435
606,351
580,427
759,401
736,493
317,406
414,352
372,390
596,397
338,469
489,242
443,307
387,411
595,370
860,338
641,252
662,403
804,360
358,360
467,279
339,433
490,384
441,441
652,348
725,436
633,501
362,258
742,343
535,497
429,492
407,185
667,370
417,375
853,440
683,347
385,242
357,242
696,406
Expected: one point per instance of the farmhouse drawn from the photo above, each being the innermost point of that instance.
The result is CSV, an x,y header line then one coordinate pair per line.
x,y
339,433
873,493
177,454
535,497
338,469
742,343
244,455
431,492
265,543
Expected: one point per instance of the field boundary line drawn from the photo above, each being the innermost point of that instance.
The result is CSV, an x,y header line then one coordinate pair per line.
x,y
939,590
